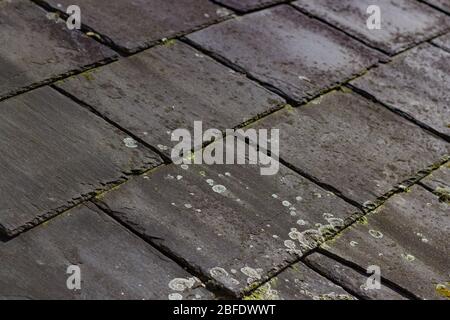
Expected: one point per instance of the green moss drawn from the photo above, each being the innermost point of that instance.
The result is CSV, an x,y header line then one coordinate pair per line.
x,y
443,193
443,290
88,75
168,42
264,292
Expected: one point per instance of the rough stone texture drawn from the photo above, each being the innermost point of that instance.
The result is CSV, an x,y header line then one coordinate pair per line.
x,y
288,50
441,4
140,23
443,42
439,179
247,5
230,222
53,153
350,278
408,238
39,48
114,263
416,83
353,144
299,282
167,88
403,22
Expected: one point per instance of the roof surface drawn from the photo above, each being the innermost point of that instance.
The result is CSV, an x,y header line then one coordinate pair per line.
x,y
86,118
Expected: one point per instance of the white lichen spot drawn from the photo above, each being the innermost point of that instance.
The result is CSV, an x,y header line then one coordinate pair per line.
x,y
222,12
354,243
210,182
219,188
298,198
304,78
221,275
252,274
228,174
182,284
188,206
175,296
179,177
130,143
376,234
302,222
275,196
184,166
163,147
290,244
286,203
408,257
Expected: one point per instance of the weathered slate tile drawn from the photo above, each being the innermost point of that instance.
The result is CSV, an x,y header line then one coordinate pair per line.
x,y
415,84
350,278
36,48
137,24
230,222
53,153
443,42
403,22
288,50
247,5
441,4
299,282
408,239
353,144
439,181
114,264
169,87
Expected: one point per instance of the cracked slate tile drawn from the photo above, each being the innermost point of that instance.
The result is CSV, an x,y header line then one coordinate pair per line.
x,y
287,50
140,23
439,180
169,87
229,222
247,5
54,153
36,48
441,4
404,23
407,238
416,84
351,279
298,282
353,144
443,42
114,263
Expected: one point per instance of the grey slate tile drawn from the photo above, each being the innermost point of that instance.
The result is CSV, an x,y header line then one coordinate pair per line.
x,y
114,264
36,48
353,144
439,180
299,282
137,24
54,153
247,5
229,222
407,238
403,22
351,279
169,87
287,50
416,84
441,4
443,42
